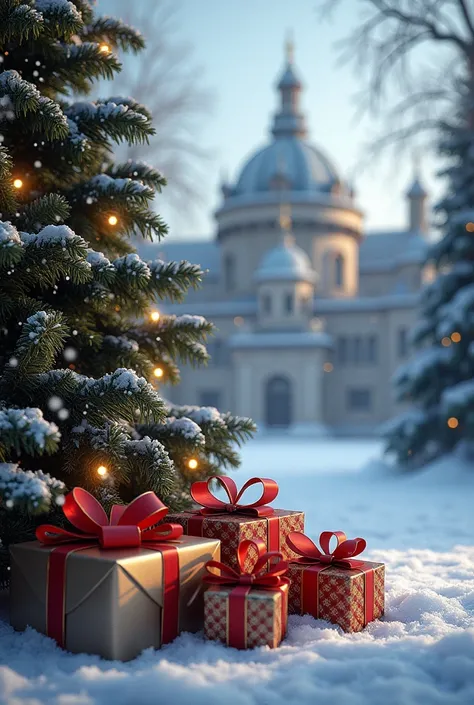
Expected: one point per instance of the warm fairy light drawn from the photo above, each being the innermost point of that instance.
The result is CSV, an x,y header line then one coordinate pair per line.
x,y
328,367
456,337
453,422
158,372
470,227
104,48
238,321
102,470
192,463
155,316
113,220
18,183
446,342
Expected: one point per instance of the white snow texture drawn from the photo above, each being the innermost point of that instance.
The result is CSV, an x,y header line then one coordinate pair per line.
x,y
420,653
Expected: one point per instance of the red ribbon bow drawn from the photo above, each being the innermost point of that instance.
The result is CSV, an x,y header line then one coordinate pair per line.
x,y
201,493
258,576
341,556
128,526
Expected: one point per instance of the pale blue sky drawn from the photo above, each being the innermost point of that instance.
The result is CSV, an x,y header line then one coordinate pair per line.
x,y
239,45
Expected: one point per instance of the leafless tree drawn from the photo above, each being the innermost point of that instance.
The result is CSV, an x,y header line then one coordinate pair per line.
x,y
165,78
418,61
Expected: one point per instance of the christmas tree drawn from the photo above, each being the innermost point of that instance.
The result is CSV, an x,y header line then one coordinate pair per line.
x,y
82,348
438,381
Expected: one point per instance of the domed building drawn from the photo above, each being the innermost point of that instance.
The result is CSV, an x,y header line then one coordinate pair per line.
x,y
312,313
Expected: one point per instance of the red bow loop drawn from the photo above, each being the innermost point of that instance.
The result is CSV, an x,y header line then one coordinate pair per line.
x,y
202,494
129,526
258,576
341,556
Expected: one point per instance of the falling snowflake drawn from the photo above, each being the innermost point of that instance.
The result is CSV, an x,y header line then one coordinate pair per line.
x,y
63,414
55,403
70,354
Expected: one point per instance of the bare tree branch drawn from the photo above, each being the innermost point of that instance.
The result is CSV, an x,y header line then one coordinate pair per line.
x,y
387,45
166,81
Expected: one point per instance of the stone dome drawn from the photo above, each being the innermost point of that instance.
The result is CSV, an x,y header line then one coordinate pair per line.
x,y
285,262
288,163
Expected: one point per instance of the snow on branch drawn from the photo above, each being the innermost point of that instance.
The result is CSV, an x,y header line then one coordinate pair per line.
x,y
41,339
34,492
27,100
26,430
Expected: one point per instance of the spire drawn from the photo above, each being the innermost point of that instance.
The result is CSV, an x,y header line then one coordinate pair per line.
x,y
417,196
287,238
289,47
288,120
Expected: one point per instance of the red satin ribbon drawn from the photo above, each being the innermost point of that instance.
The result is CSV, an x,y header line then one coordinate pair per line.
x,y
129,526
318,560
271,578
202,494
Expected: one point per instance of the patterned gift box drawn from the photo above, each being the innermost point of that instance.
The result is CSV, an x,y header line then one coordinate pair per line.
x,y
332,586
233,522
245,609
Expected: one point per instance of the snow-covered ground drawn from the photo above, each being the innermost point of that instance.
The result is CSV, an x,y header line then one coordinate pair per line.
x,y
421,653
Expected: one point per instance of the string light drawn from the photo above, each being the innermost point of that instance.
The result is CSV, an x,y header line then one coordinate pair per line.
x,y
192,463
453,422
104,48
446,342
238,321
158,372
155,316
328,367
470,227
102,470
456,337
113,220
18,183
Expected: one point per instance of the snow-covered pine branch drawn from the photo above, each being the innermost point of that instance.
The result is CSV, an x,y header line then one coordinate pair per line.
x,y
171,280
110,120
141,171
61,15
117,32
11,248
42,337
26,430
28,491
42,113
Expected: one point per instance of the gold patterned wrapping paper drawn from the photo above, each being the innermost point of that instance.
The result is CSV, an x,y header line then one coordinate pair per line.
x,y
266,616
341,598
233,528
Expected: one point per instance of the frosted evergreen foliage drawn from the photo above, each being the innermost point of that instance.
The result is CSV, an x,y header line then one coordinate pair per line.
x,y
437,380
78,347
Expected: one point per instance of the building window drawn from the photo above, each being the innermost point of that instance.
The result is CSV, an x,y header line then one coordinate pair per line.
x,y
289,303
357,353
229,272
402,342
341,350
219,353
359,399
372,349
210,397
339,271
266,304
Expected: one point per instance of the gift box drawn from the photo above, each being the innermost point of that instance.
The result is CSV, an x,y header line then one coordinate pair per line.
x,y
116,587
331,585
233,521
244,608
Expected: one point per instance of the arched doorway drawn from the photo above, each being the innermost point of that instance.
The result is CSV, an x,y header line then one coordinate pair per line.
x,y
278,402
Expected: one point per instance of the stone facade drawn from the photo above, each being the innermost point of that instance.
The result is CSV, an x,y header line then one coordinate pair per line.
x,y
312,313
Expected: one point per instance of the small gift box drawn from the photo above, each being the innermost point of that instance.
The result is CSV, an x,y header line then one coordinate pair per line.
x,y
245,608
234,521
115,587
332,585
